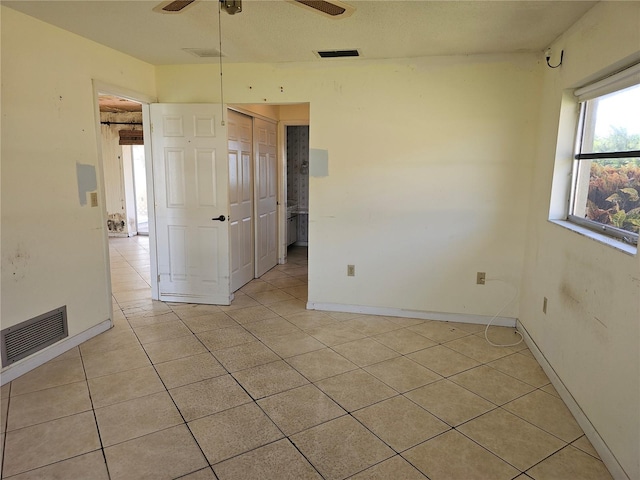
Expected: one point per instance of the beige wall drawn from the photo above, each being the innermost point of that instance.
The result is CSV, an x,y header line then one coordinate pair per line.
x,y
429,167
590,334
53,250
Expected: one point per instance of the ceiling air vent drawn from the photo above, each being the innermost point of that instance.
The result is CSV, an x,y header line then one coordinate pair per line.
x,y
338,53
333,9
203,52
33,335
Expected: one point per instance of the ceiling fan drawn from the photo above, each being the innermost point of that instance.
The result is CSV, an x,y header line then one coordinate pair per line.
x,y
333,8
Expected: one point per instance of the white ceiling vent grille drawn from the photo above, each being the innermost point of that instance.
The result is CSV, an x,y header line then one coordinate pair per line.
x,y
33,335
203,52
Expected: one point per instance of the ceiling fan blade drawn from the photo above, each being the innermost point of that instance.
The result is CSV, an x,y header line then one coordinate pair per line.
x,y
177,5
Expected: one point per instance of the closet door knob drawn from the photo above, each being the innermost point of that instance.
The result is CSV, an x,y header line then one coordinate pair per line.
x,y
221,218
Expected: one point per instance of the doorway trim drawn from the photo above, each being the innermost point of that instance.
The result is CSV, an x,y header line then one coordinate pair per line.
x,y
282,183
103,88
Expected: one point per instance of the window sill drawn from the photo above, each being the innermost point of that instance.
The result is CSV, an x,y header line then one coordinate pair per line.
x,y
598,237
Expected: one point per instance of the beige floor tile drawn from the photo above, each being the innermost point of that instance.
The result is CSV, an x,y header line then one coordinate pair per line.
x,y
504,336
301,408
225,337
450,402
114,361
271,327
166,454
293,344
453,456
50,404
365,352
210,396
123,386
511,438
184,371
88,466
252,314
285,282
162,331
271,296
258,285
204,474
469,327
145,308
405,321
131,295
191,310
209,321
443,360
332,335
241,300
233,432
310,319
343,316
288,307
68,355
50,442
400,423
404,341
570,463
276,461
108,341
548,413
145,320
135,418
4,413
136,284
245,356
321,364
341,447
273,273
269,379
301,292
476,347
395,467
523,368
550,389
371,325
402,374
51,374
356,389
526,352
491,384
439,332
584,444
174,348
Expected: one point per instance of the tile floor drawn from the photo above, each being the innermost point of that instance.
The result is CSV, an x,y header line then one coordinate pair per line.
x,y
264,389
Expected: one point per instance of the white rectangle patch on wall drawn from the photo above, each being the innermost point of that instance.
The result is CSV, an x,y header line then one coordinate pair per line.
x,y
318,162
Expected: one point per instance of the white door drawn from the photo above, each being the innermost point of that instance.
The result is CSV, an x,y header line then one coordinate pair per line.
x,y
240,198
190,174
266,195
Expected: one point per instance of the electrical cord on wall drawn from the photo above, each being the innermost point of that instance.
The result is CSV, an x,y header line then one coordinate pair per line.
x,y
515,295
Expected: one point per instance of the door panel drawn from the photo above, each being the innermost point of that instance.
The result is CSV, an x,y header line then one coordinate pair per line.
x,y
190,179
266,192
240,152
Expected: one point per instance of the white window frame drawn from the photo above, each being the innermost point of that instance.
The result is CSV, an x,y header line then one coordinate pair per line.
x,y
585,96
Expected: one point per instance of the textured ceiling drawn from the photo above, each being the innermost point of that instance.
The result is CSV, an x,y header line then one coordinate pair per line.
x,y
280,31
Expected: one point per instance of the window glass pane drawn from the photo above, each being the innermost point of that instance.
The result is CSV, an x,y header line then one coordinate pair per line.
x,y
612,196
612,122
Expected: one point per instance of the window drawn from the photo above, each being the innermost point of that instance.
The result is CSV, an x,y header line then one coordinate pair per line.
x,y
605,191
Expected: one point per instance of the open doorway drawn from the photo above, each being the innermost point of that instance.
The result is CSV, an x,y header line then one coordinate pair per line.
x,y
122,118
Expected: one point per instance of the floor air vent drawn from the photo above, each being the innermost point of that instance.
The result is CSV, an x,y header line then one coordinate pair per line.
x,y
33,335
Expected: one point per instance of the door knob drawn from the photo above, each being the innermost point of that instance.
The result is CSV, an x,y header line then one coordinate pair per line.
x,y
221,218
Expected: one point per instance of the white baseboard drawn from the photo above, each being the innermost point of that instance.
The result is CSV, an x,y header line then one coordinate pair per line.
x,y
607,456
423,315
21,367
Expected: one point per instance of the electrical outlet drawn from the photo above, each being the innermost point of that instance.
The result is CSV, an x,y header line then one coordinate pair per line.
x,y
351,270
94,199
480,278
544,305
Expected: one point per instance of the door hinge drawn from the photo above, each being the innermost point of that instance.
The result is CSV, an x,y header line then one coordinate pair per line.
x,y
158,278
151,127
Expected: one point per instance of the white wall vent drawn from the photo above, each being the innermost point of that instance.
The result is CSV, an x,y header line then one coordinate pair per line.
x,y
33,335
